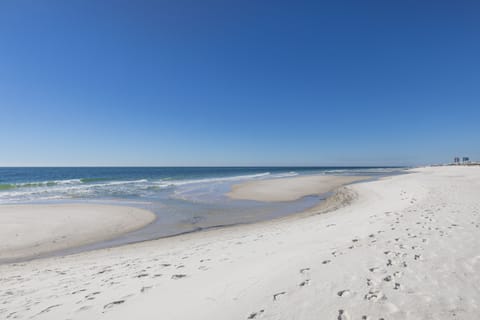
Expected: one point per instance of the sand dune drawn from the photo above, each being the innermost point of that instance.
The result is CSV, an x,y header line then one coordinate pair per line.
x,y
405,248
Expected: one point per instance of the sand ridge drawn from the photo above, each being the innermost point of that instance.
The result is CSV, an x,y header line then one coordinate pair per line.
x,y
30,230
289,189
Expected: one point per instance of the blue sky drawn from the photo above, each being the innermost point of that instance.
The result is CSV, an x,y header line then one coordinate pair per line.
x,y
238,82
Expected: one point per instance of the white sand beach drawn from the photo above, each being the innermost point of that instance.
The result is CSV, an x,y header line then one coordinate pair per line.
x,y
30,230
289,189
403,247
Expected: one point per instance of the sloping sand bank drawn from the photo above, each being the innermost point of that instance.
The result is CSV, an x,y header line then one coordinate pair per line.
x,y
289,189
405,248
30,230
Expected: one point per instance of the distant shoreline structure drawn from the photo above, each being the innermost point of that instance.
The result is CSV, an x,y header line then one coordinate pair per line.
x,y
465,161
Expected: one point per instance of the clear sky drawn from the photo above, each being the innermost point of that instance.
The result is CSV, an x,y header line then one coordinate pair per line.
x,y
93,82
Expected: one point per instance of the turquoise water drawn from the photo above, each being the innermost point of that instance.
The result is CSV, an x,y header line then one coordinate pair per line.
x,y
184,199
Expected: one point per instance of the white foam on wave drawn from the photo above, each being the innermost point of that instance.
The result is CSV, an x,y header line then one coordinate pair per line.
x,y
210,180
64,190
213,189
116,183
285,175
49,183
76,188
68,181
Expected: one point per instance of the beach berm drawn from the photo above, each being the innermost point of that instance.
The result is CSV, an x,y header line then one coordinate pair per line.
x,y
30,230
289,189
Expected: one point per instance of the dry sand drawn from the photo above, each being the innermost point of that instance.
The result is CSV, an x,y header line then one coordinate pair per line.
x,y
405,248
289,189
30,230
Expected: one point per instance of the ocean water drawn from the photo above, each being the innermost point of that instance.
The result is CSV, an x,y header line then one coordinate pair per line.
x,y
184,199
27,185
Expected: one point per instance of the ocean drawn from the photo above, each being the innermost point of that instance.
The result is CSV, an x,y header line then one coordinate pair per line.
x,y
184,199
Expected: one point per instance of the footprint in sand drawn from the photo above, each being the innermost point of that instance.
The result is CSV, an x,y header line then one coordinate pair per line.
x,y
84,308
77,291
304,283
145,289
142,275
343,293
92,295
304,270
369,282
253,315
48,309
343,315
374,295
113,303
277,296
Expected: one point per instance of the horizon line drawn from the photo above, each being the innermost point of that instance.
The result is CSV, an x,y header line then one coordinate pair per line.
x,y
212,166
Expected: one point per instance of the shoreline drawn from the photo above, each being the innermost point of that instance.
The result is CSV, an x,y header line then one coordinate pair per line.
x,y
381,256
58,245
336,198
